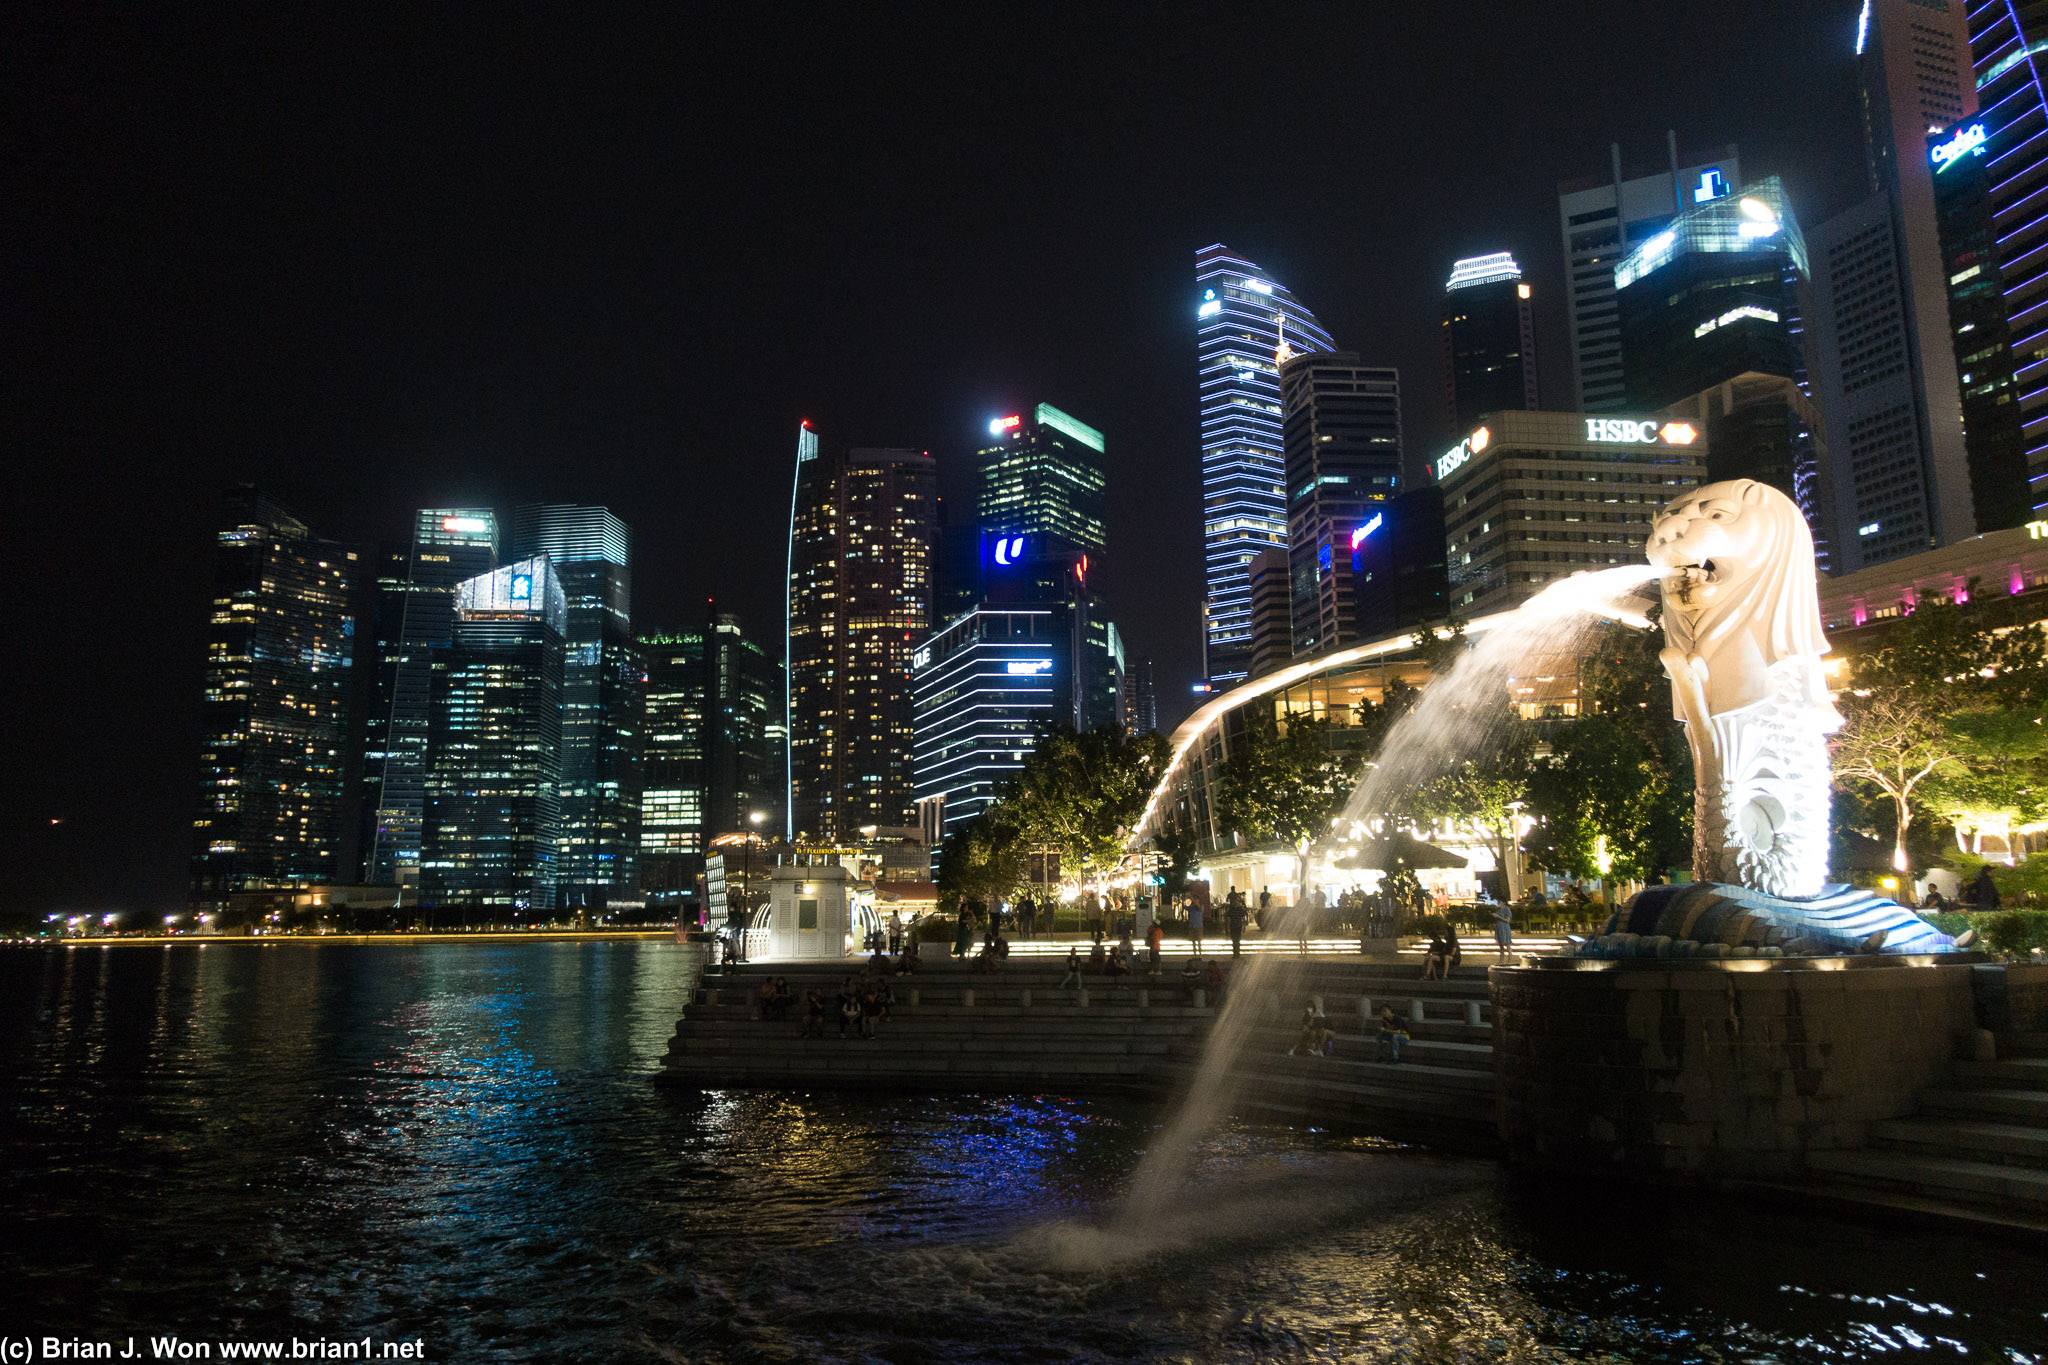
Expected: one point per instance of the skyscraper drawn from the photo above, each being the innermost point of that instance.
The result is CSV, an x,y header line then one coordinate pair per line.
x,y
1884,358
2007,40
415,621
494,753
1342,438
1601,218
1489,331
1043,475
591,551
1272,610
1141,699
1712,336
1242,319
1399,566
276,723
743,717
860,594
672,837
1034,655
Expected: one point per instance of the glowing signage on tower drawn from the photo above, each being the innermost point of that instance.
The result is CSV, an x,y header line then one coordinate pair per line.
x,y
1968,142
1009,549
998,425
469,524
522,587
1461,452
1358,536
1627,431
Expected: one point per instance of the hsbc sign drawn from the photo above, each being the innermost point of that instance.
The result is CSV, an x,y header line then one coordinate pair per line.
x,y
1624,431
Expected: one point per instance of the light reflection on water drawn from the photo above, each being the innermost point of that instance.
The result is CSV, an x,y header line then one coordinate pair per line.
x,y
460,1143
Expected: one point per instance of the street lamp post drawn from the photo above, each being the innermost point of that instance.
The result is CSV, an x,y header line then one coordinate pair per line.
x,y
754,818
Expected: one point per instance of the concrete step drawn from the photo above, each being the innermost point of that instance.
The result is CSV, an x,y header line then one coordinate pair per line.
x,y
1937,1177
2015,1144
2022,1106
2023,1044
2007,1073
898,1044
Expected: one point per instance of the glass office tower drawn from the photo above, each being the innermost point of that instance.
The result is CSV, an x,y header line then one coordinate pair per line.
x,y
280,650
415,617
494,760
1043,474
672,767
860,596
1342,438
2007,43
590,548
1243,317
1489,329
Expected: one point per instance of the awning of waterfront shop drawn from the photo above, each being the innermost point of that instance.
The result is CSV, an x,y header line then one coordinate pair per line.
x,y
1400,849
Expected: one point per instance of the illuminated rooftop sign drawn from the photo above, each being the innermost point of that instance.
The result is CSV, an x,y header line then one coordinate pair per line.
x,y
1483,270
998,425
1030,666
1711,186
1627,431
1210,308
1968,142
1747,310
1050,416
1009,549
1461,452
1358,536
474,525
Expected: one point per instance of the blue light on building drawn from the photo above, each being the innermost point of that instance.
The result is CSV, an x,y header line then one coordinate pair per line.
x,y
1243,317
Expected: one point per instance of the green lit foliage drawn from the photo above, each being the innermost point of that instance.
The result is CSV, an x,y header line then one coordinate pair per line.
x,y
1080,794
1622,769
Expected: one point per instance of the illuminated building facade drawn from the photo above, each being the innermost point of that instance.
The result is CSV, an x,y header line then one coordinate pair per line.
x,y
1884,358
1530,497
1341,436
860,598
1035,655
415,619
1712,334
1489,331
1242,319
672,838
2007,43
591,551
1141,698
1043,475
494,764
743,745
1272,611
1601,218
280,651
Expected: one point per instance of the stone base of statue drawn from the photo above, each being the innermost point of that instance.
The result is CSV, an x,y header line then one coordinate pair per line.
x,y
1716,919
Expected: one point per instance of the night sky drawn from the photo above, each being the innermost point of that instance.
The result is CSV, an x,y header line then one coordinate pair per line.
x,y
378,259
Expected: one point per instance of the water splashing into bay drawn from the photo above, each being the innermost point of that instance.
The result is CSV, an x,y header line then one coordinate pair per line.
x,y
1446,727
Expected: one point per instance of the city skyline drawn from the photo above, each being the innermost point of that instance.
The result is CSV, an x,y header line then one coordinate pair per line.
x,y
418,354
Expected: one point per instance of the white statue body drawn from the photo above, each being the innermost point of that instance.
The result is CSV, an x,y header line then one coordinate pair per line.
x,y
1743,647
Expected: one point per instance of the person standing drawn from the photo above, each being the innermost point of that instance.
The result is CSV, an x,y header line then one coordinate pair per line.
x,y
1265,906
1154,937
1503,927
1091,909
1233,919
1195,924
1984,891
963,934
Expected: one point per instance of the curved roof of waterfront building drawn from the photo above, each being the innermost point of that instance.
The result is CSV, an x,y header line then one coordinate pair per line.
x,y
1211,712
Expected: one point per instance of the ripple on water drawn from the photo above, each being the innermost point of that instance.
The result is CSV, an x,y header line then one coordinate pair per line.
x,y
461,1144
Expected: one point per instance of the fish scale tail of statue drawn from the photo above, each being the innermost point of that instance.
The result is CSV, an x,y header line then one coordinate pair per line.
x,y
1743,646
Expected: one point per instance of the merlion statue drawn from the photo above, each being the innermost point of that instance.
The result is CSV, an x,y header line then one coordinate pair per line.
x,y
1743,647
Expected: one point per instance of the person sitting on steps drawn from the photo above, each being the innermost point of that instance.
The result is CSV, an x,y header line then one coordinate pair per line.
x,y
1392,1035
1073,976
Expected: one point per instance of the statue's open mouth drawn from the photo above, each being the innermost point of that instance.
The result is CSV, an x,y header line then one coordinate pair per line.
x,y
1702,572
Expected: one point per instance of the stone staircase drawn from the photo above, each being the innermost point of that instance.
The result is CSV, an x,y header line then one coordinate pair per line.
x,y
1979,1145
956,1029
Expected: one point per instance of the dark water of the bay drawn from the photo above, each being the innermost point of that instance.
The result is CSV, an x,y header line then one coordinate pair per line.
x,y
460,1144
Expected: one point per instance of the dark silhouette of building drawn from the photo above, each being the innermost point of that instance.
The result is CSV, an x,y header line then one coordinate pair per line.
x,y
1341,431
1489,332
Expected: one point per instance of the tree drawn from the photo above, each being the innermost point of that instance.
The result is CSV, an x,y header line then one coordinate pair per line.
x,y
1080,794
1281,781
1942,718
983,860
1622,770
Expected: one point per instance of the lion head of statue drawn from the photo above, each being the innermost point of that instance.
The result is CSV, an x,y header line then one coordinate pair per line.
x,y
1737,558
